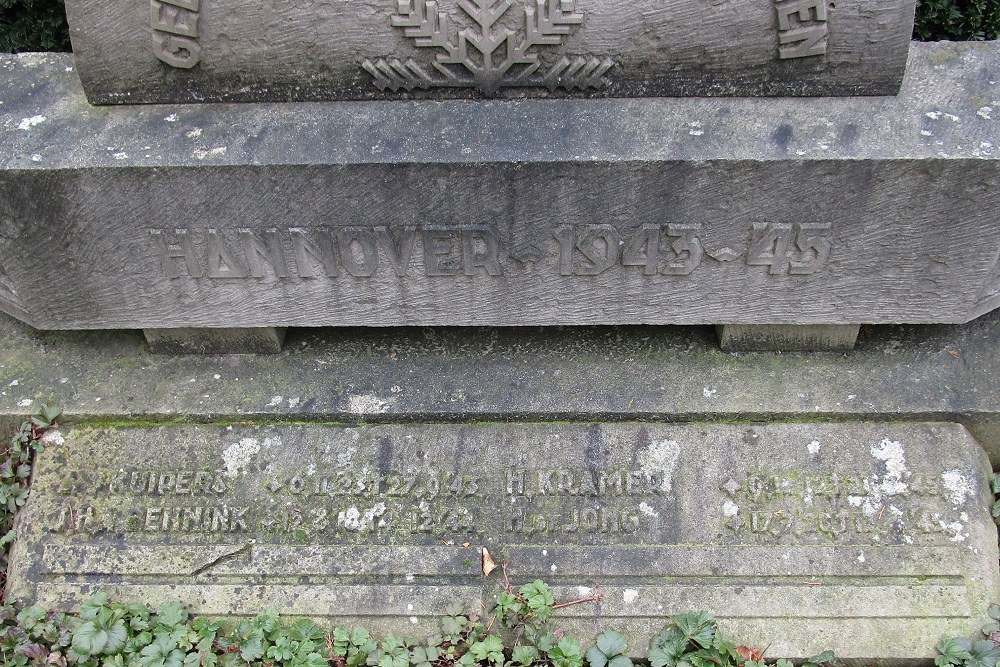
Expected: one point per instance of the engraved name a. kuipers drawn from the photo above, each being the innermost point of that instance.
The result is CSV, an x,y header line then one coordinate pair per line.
x,y
294,253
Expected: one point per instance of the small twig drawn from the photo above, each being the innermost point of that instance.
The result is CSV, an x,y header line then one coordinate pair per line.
x,y
596,597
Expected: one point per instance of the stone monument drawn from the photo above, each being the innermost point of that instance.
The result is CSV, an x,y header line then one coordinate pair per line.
x,y
509,163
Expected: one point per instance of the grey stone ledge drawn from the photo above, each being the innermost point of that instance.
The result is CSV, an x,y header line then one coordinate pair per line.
x,y
46,124
671,374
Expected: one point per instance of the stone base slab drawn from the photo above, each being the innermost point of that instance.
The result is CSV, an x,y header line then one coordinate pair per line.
x,y
787,338
215,341
532,212
802,537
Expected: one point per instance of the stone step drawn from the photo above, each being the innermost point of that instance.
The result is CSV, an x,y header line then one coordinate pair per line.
x,y
254,51
664,374
831,211
873,540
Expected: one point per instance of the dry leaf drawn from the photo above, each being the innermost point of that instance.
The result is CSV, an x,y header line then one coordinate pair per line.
x,y
466,545
747,653
488,563
954,353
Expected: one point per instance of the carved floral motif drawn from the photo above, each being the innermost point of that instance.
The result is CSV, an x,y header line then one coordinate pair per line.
x,y
488,55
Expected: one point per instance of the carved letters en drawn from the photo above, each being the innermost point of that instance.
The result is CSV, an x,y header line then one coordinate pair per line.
x,y
488,54
802,28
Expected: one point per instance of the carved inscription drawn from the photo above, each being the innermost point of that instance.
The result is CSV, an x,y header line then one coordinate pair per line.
x,y
370,502
864,521
487,54
671,249
175,31
784,505
802,28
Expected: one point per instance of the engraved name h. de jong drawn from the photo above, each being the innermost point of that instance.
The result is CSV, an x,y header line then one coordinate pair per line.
x,y
488,54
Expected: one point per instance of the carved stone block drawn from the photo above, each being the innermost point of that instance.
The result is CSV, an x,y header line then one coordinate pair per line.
x,y
539,212
215,341
787,337
873,540
131,51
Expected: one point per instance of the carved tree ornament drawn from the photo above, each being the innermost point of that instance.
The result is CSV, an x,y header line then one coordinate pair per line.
x,y
488,56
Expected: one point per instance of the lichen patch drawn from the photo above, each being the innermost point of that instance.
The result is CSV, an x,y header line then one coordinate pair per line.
x,y
659,460
958,488
236,457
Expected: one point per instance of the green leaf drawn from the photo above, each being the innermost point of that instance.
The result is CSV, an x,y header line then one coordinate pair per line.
x,y
117,634
953,652
823,658
90,639
305,630
566,653
252,649
666,648
698,627
612,643
525,655
360,637
171,614
620,661
596,658
538,597
984,653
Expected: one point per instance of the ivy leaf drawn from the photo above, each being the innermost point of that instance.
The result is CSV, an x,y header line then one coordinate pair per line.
x,y
305,630
984,653
953,652
666,648
612,643
312,660
171,614
698,627
823,658
566,653
524,655
162,653
252,649
596,657
90,639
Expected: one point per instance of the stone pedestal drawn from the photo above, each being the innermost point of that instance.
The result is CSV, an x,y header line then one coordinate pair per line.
x,y
831,211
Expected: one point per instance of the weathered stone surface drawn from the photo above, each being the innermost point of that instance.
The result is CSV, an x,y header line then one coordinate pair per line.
x,y
872,540
731,211
787,337
215,341
191,51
